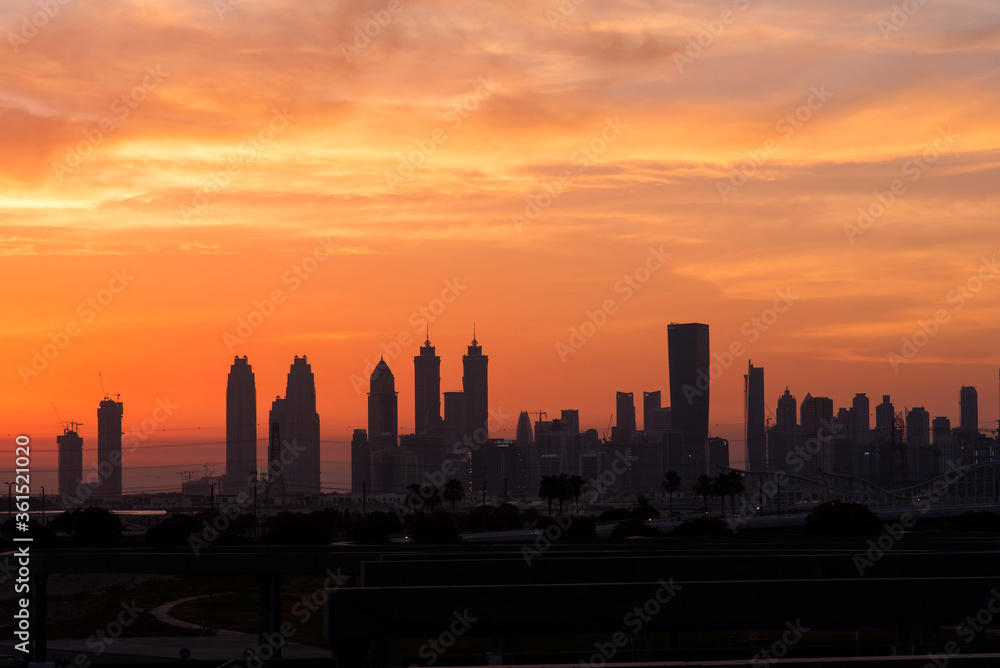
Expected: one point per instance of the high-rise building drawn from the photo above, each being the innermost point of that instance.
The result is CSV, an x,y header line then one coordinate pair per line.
x,y
361,463
383,409
650,401
528,454
860,421
786,418
968,400
625,416
689,358
475,384
294,450
816,417
70,464
753,419
109,450
918,427
427,391
241,427
571,418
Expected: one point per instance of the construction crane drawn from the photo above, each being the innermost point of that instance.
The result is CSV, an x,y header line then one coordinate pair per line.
x,y
67,425
610,420
538,413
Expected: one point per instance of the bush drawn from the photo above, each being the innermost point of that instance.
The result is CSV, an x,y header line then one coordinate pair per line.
x,y
634,527
90,527
834,517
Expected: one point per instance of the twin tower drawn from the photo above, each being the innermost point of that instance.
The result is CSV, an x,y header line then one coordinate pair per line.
x,y
465,412
293,433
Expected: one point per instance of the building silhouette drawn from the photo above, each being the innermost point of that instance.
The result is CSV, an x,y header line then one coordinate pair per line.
x,y
109,451
475,385
427,391
294,450
968,400
241,428
689,358
70,447
383,409
816,417
361,462
624,418
753,419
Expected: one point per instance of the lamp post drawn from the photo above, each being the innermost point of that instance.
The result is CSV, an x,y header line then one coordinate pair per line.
x,y
212,498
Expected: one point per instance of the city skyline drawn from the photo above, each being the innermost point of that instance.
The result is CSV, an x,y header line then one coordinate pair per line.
x,y
335,466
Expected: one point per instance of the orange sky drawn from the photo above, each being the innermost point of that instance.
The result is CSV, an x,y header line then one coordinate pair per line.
x,y
204,151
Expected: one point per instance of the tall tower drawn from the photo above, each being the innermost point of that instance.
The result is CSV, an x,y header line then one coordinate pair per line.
x,y
383,410
70,463
109,450
625,416
816,416
860,418
753,418
241,427
787,417
968,400
361,463
689,359
475,385
426,391
650,402
294,450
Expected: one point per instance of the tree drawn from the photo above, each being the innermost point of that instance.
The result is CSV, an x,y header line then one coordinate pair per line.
x,y
721,488
91,527
576,485
703,488
454,492
565,491
736,486
431,496
549,489
671,483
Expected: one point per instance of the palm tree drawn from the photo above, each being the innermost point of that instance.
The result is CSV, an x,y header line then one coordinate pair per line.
x,y
671,482
431,496
414,495
721,487
564,489
736,486
704,489
453,492
576,485
548,489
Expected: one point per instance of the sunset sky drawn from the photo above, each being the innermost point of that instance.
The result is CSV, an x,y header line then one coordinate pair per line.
x,y
181,161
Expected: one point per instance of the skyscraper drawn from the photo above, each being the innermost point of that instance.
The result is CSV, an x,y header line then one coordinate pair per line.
x,y
753,418
70,463
361,463
109,450
241,427
650,401
383,411
689,359
860,425
294,427
625,416
918,428
817,420
475,384
571,418
968,400
426,391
